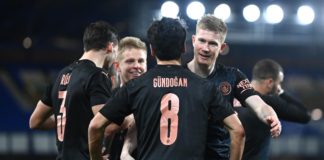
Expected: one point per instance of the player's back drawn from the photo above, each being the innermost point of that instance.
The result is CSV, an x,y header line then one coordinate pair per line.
x,y
171,106
72,101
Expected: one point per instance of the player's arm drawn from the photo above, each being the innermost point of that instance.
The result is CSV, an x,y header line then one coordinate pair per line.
x,y
110,129
222,110
246,94
113,128
288,108
95,135
117,110
265,114
99,89
236,130
130,142
96,108
295,108
41,117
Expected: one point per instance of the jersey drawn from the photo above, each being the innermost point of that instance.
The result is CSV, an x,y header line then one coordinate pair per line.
x,y
257,141
77,88
115,143
171,106
116,146
232,83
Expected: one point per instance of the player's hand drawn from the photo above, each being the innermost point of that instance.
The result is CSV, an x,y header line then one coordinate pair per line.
x,y
275,126
126,156
105,157
104,153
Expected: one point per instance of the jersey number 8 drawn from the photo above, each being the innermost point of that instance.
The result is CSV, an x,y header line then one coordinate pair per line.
x,y
169,118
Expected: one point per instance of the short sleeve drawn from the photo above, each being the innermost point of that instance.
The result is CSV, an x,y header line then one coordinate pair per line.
x,y
46,98
99,88
117,107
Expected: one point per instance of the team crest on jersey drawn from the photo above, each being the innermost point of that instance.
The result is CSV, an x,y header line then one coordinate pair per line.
x,y
225,88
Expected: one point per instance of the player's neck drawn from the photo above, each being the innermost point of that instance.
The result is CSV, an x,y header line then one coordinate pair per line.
x,y
97,57
168,62
201,70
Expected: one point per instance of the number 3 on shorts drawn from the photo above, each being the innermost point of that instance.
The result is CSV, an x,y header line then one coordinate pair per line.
x,y
169,118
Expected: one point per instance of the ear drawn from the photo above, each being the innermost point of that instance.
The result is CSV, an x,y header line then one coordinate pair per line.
x,y
110,47
117,66
269,82
193,39
223,46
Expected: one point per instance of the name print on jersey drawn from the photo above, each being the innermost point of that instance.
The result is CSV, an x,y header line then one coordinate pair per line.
x,y
65,79
244,85
165,82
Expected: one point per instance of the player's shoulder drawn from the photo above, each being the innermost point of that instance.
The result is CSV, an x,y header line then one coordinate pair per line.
x,y
89,69
85,69
222,67
89,66
186,72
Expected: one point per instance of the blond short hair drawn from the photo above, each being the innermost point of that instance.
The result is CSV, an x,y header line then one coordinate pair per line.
x,y
129,43
211,23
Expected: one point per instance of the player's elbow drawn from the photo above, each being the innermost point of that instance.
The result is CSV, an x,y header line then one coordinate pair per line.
x,y
239,132
34,123
98,123
234,126
237,135
94,126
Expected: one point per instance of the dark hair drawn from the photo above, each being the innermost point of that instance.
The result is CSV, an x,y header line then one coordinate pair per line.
x,y
167,38
98,34
266,68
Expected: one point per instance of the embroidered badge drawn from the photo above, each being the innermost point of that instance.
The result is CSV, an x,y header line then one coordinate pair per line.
x,y
225,88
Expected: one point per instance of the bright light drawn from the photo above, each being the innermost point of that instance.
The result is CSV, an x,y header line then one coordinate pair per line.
x,y
27,42
195,10
274,14
305,15
222,11
251,13
169,9
316,114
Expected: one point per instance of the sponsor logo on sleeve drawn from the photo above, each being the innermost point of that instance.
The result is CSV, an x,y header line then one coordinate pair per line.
x,y
244,85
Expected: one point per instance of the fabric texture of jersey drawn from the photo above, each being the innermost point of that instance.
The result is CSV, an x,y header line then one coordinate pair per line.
x,y
115,143
257,141
232,83
77,88
171,107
